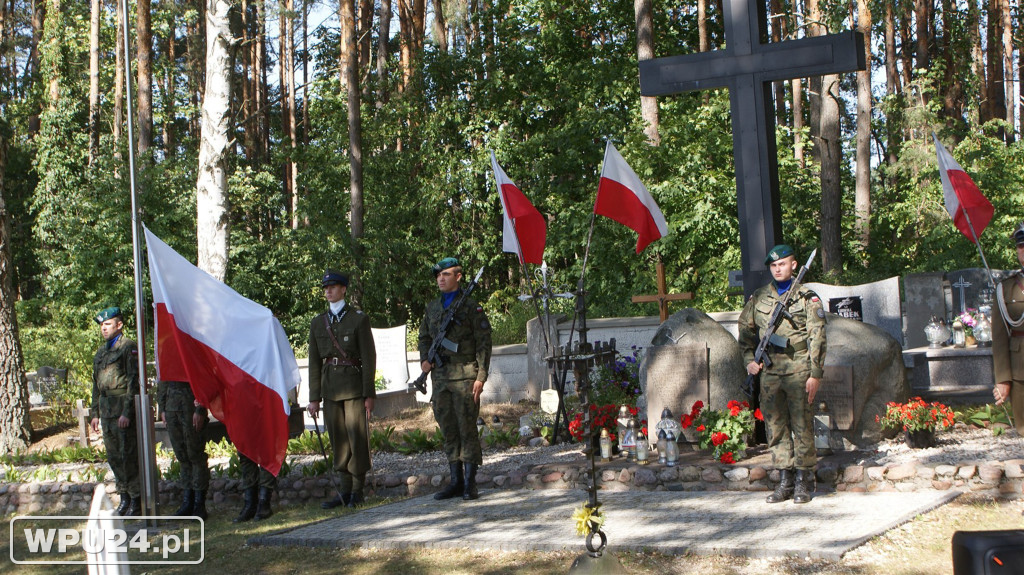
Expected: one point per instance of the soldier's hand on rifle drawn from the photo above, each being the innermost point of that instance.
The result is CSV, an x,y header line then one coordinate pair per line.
x,y
426,366
478,389
313,408
754,368
812,388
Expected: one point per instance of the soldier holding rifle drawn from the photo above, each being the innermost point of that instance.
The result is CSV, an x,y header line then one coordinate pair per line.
x,y
790,360
458,367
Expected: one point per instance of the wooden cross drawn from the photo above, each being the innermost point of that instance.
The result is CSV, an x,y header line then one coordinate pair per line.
x,y
747,67
662,297
82,413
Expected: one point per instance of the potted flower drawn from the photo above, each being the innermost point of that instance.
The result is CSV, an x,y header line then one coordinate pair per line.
x,y
725,431
918,419
969,319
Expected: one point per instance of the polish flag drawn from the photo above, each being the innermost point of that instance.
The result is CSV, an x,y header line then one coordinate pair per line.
x,y
964,201
232,351
525,230
622,197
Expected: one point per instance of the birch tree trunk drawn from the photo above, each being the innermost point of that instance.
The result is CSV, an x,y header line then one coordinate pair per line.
x,y
211,185
645,51
94,80
862,196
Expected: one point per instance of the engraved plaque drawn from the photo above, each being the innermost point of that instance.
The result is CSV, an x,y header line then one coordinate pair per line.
x,y
836,391
677,376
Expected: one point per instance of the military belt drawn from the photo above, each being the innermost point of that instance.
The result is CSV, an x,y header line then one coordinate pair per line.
x,y
1017,333
795,347
340,361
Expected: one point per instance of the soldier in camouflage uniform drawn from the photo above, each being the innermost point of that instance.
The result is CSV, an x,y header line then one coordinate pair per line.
x,y
1008,338
342,367
255,477
789,385
457,384
115,383
185,419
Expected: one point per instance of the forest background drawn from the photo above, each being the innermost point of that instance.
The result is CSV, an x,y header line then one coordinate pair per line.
x,y
277,138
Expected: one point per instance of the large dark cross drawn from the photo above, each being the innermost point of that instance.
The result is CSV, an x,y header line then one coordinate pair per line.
x,y
747,67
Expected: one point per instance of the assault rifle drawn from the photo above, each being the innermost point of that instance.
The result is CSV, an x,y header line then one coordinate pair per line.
x,y
441,339
770,337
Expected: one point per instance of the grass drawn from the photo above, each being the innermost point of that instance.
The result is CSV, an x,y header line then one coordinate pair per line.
x,y
918,547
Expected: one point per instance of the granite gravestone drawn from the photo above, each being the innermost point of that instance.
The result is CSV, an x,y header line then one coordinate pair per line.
x,y
676,377
924,298
879,301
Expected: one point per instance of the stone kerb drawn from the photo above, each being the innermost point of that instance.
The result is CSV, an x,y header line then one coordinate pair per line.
x,y
995,478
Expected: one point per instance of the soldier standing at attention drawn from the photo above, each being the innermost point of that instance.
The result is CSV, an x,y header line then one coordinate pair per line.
x,y
789,385
115,383
255,477
458,383
185,419
1008,338
342,368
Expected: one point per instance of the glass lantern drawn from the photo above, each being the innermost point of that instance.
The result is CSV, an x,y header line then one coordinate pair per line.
x,y
983,330
620,424
671,449
606,446
662,445
823,430
668,424
641,449
629,440
936,333
959,335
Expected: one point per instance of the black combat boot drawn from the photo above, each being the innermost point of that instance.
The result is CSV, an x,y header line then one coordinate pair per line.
x,y
187,503
337,501
470,492
263,507
199,508
804,486
249,509
356,499
785,488
455,487
135,507
122,506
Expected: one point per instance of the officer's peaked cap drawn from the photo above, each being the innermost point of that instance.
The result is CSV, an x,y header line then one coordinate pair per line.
x,y
332,277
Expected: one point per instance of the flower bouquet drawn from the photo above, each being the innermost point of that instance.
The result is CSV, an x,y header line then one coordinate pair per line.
x,y
724,431
969,319
918,419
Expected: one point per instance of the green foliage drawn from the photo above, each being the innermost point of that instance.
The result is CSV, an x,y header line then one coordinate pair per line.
x,y
723,431
319,466
418,441
502,438
381,439
307,443
617,383
173,471
68,454
222,448
985,416
380,383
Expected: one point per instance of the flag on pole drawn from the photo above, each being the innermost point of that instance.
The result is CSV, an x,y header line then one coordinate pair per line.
x,y
232,351
622,197
964,201
525,230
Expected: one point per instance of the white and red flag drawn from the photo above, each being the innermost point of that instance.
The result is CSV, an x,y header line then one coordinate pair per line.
x,y
232,351
525,230
964,201
622,197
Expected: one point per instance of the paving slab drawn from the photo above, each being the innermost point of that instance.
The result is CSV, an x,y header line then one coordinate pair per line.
x,y
706,523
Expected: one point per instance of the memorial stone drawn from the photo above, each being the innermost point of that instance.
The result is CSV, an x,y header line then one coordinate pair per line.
x,y
851,307
924,298
966,285
879,302
837,392
676,377
391,356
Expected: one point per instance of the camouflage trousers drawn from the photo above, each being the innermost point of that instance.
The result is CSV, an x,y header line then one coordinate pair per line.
x,y
788,420
122,447
456,414
189,450
255,476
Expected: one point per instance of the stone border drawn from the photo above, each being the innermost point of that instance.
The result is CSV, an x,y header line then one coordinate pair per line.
x,y
1003,479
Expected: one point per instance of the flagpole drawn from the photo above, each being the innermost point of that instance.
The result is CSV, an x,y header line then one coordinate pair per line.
x,y
143,420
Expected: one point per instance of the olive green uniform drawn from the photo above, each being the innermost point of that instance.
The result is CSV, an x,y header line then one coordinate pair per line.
x,y
177,402
115,383
343,379
787,414
1008,344
454,409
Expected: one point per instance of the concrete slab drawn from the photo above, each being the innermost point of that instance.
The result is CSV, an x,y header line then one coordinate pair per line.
x,y
730,523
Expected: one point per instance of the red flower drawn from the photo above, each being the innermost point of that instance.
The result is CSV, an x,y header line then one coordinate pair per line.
x,y
727,457
700,428
686,421
697,406
758,415
734,407
718,438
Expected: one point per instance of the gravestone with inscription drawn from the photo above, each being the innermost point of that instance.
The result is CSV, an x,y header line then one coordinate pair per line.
x,y
863,372
687,328
392,363
676,377
879,303
851,307
965,287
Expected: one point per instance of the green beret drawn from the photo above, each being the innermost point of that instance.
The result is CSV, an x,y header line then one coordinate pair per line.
x,y
108,313
445,264
777,253
1018,235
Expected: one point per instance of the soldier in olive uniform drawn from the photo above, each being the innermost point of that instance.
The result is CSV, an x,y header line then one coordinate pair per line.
x,y
185,419
255,477
458,383
789,385
115,383
342,368
1008,338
